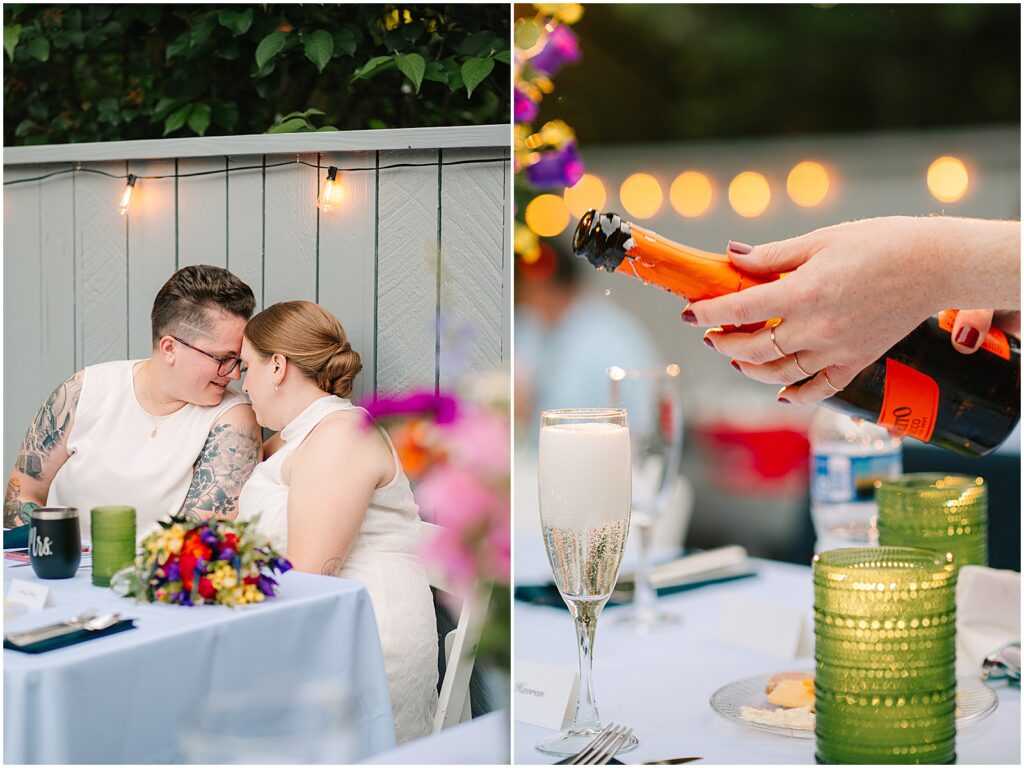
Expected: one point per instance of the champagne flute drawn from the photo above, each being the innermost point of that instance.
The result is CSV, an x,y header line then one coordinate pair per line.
x,y
656,440
584,480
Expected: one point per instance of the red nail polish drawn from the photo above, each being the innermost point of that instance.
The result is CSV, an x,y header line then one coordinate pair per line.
x,y
740,248
708,342
689,317
967,337
735,365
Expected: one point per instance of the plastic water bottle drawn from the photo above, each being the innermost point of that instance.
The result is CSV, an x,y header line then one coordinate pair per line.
x,y
848,456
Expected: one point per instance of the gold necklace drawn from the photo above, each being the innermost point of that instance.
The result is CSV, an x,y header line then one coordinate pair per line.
x,y
157,420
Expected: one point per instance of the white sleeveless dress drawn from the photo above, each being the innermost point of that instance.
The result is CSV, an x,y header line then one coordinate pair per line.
x,y
113,459
384,557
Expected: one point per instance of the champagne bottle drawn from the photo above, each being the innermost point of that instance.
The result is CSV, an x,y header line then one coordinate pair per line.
x,y
921,388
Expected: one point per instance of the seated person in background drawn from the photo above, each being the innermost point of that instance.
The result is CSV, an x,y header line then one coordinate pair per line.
x,y
566,339
164,434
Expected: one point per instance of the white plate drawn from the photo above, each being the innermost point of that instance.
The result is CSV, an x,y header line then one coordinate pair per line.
x,y
974,701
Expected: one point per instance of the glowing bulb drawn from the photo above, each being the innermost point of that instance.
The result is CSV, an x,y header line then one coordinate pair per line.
x,y
947,179
126,196
672,369
547,215
585,194
690,194
615,373
807,184
749,194
332,193
641,195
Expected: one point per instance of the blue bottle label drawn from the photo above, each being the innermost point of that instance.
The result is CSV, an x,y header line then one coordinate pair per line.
x,y
838,478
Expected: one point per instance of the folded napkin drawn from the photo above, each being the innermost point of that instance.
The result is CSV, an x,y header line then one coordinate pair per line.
x,y
987,615
694,570
70,638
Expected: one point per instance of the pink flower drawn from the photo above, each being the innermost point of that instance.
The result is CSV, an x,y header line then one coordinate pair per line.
x,y
475,539
479,438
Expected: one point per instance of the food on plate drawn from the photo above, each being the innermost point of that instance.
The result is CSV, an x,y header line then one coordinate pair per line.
x,y
798,718
793,694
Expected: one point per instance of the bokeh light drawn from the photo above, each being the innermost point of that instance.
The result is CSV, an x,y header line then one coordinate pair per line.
x,y
587,193
641,195
807,184
948,179
547,215
749,194
690,193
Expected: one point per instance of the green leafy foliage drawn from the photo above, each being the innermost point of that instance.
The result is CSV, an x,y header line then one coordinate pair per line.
x,y
78,73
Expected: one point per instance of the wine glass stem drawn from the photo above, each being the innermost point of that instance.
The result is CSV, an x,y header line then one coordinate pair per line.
x,y
586,707
644,594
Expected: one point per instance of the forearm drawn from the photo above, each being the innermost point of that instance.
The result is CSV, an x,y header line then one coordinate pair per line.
x,y
21,498
970,263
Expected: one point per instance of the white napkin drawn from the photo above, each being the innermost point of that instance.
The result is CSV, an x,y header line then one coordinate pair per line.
x,y
987,615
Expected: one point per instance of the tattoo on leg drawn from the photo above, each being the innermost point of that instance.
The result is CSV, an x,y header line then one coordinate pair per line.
x,y
332,567
225,463
49,428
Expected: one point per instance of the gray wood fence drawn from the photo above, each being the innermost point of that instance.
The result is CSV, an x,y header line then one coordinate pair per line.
x,y
414,262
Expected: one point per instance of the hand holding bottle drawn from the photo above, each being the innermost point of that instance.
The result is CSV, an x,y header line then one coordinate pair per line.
x,y
852,291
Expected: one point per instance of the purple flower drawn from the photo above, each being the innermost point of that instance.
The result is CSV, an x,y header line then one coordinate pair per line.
x,y
208,537
525,108
226,554
172,571
281,565
266,585
442,407
182,598
561,168
561,48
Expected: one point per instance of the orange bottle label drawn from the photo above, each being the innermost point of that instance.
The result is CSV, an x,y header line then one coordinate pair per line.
x,y
995,342
910,403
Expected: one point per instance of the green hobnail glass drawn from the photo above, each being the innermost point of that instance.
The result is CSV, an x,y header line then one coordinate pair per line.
x,y
948,513
885,682
113,541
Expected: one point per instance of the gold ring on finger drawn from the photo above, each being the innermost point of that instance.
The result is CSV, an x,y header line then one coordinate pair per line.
x,y
824,372
805,372
775,343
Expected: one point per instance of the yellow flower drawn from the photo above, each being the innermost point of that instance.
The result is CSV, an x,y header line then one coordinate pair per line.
x,y
569,13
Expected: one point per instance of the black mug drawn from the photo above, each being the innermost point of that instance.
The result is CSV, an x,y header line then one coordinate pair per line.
x,y
54,542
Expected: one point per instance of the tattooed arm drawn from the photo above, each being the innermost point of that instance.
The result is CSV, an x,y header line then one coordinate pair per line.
x,y
232,451
43,452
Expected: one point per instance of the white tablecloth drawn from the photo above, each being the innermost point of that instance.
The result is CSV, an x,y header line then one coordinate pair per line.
x,y
481,741
119,699
660,684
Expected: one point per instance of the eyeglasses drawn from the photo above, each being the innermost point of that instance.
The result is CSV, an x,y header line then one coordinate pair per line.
x,y
225,365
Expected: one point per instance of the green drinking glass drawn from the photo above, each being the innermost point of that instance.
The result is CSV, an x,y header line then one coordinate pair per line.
x,y
885,682
948,513
113,541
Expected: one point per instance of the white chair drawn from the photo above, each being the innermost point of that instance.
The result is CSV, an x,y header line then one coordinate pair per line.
x,y
460,645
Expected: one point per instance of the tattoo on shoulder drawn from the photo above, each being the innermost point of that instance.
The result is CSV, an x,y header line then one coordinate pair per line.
x,y
332,567
49,428
225,463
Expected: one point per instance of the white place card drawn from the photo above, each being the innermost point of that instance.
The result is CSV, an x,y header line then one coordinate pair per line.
x,y
544,695
775,629
32,596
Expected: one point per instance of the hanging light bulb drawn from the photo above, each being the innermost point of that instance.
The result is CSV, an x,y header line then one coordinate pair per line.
x,y
332,192
126,196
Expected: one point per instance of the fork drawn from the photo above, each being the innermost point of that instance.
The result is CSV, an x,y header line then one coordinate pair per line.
x,y
602,747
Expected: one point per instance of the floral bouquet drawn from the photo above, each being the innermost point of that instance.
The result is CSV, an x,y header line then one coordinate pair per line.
x,y
202,562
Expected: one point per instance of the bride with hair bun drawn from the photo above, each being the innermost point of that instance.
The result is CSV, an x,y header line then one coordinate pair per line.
x,y
332,494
